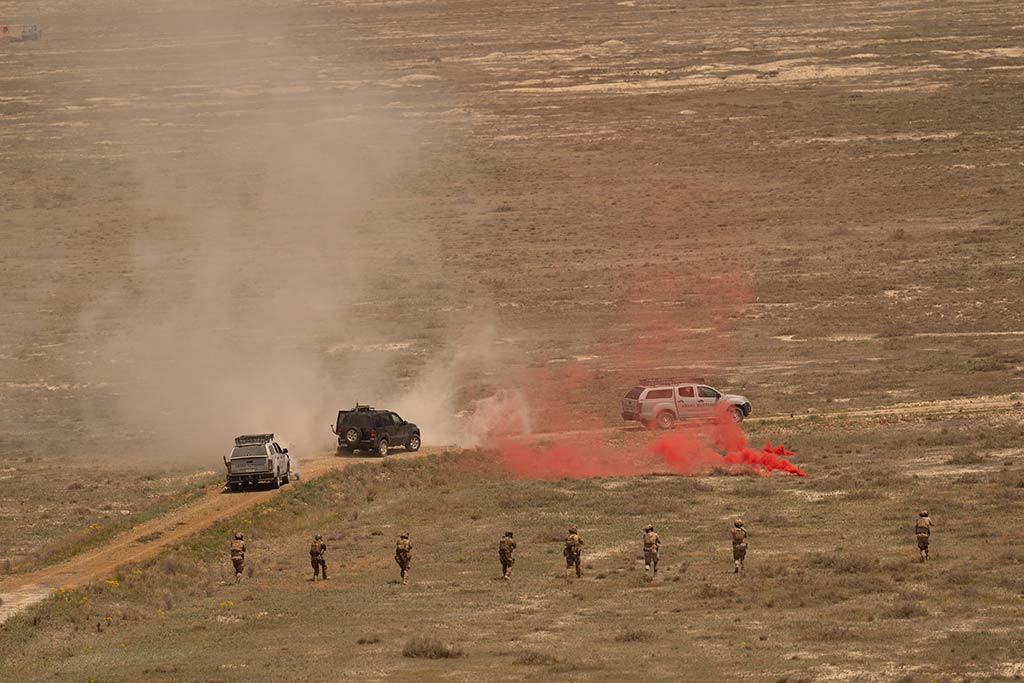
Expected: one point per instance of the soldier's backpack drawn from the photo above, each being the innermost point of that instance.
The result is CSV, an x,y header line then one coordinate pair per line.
x,y
738,534
314,549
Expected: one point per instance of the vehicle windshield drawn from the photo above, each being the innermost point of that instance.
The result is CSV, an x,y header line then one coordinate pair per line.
x,y
249,452
635,392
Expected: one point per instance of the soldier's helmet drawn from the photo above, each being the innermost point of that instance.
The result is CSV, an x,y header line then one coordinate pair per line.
x,y
923,513
509,534
649,527
573,529
319,537
238,536
405,534
738,522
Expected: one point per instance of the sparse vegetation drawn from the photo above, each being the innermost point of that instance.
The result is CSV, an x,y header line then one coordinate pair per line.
x,y
533,658
905,610
94,524
431,648
867,576
538,178
634,636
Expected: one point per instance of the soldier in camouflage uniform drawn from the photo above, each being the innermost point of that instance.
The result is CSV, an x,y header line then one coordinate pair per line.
x,y
739,545
403,556
923,531
238,554
572,551
506,549
316,557
652,543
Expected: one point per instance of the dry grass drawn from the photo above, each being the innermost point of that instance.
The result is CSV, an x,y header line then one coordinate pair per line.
x,y
578,220
533,658
100,502
854,587
431,648
634,636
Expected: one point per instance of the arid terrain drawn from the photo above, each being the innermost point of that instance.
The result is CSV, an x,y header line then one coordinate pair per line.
x,y
225,217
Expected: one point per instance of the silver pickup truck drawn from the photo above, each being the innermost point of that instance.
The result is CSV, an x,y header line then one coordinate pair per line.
x,y
258,459
662,402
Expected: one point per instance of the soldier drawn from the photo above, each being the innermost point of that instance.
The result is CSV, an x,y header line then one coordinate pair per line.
x,y
238,554
572,551
739,545
923,531
506,550
403,556
316,557
652,543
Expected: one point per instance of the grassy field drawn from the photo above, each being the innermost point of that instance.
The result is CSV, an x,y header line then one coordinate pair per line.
x,y
832,589
52,509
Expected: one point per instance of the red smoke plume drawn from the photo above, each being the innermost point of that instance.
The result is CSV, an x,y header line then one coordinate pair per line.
x,y
673,318
690,450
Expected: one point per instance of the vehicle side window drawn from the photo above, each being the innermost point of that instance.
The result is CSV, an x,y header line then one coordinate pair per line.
x,y
380,422
397,420
277,449
659,393
686,392
708,392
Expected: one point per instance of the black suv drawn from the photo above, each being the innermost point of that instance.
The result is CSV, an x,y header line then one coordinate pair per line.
x,y
366,428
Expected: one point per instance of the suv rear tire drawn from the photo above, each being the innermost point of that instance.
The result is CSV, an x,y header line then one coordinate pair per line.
x,y
382,447
666,420
414,443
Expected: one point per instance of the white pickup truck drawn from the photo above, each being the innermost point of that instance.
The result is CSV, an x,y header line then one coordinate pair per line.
x,y
258,459
662,402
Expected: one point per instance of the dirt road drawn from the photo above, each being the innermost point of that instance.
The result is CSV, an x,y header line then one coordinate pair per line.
x,y
19,591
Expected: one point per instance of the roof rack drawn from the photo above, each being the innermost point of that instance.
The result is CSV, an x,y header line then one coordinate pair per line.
x,y
659,381
363,406
253,439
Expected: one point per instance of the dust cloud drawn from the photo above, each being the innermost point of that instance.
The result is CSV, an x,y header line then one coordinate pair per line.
x,y
263,266
272,261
